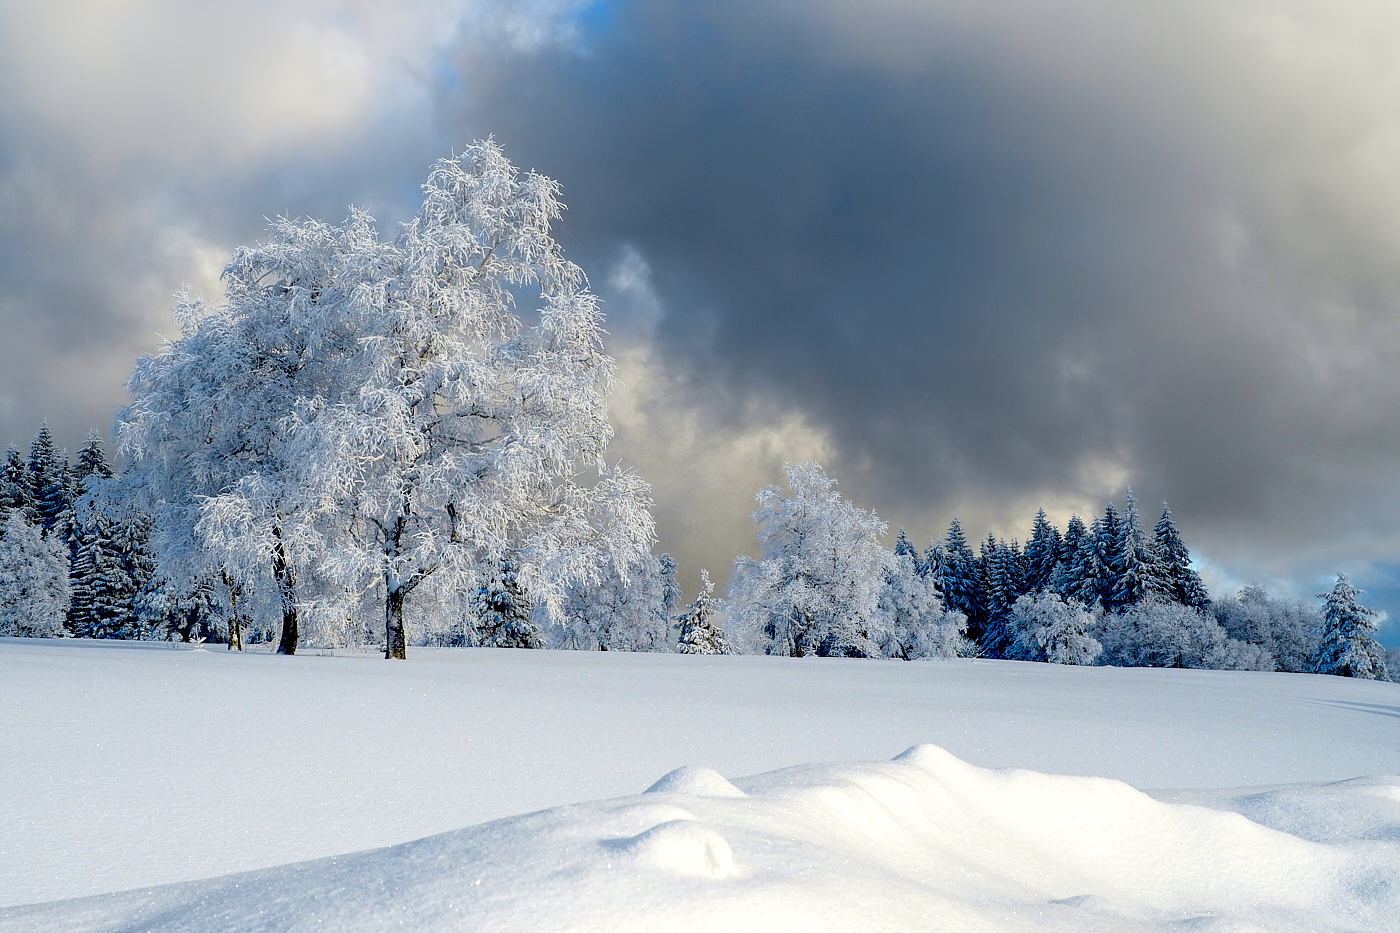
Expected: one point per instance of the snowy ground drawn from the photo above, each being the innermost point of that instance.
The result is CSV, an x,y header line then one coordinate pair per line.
x,y
127,765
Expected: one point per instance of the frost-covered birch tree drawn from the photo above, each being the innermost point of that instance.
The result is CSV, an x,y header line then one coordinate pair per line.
x,y
476,427
211,433
817,587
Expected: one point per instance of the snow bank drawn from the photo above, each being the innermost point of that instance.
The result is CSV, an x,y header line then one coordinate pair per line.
x,y
924,842
125,765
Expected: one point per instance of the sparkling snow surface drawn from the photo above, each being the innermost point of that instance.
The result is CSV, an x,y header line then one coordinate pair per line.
x,y
129,765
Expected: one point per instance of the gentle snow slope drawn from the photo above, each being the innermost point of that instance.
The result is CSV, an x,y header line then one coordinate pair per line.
x,y
123,765
926,842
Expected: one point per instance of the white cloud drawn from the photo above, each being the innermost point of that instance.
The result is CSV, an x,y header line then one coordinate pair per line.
x,y
178,81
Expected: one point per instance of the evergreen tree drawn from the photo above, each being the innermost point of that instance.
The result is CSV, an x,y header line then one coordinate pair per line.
x,y
903,547
670,586
14,484
505,617
1107,558
961,580
699,633
1137,570
1347,647
102,593
1067,583
932,567
1176,580
1042,554
189,610
48,481
1086,569
91,462
1004,578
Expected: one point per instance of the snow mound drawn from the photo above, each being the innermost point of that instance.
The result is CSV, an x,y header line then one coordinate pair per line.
x,y
695,781
923,842
1336,811
686,847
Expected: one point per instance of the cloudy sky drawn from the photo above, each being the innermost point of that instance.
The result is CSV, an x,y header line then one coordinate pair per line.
x,y
973,257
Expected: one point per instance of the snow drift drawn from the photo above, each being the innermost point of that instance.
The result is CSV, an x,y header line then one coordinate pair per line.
x,y
925,842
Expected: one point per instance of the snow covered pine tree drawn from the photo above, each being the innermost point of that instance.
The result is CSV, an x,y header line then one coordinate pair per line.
x,y
698,632
1347,648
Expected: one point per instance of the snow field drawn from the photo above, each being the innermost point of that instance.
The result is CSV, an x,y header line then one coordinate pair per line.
x,y
134,764
925,842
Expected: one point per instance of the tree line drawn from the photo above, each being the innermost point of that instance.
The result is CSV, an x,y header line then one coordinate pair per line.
x,y
402,440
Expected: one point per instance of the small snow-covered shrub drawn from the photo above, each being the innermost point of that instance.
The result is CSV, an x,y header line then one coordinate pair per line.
x,y
699,626
1172,635
1047,627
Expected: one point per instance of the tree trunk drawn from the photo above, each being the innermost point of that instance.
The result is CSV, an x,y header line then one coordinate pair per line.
x,y
235,621
286,589
394,646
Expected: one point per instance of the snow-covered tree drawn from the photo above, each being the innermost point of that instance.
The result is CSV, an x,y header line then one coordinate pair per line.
x,y
914,623
1287,630
91,463
102,594
816,589
504,613
1042,555
1136,564
698,626
471,427
961,581
34,592
617,612
902,546
47,481
14,485
1003,573
1105,561
1069,581
1347,647
1047,627
210,436
1172,635
109,562
1175,579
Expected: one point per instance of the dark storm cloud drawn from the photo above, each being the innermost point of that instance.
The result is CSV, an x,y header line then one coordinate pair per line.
x,y
982,274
